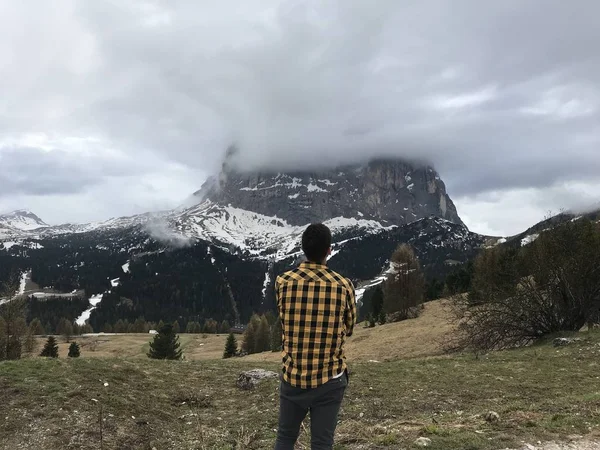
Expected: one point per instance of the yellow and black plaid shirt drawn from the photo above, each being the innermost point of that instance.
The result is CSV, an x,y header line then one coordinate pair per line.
x,y
317,308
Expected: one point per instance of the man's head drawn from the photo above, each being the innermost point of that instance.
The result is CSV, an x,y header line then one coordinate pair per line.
x,y
316,243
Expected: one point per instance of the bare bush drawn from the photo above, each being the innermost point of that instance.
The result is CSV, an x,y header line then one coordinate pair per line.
x,y
518,297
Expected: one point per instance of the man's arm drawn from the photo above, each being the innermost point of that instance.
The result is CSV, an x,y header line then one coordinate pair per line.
x,y
350,315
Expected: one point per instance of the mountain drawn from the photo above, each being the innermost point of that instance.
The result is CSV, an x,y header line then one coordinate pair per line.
x,y
219,258
390,191
21,220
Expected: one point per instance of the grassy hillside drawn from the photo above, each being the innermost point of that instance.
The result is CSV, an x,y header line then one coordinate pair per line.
x,y
410,339
541,393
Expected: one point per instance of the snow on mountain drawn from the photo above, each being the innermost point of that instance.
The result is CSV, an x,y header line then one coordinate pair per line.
x,y
22,220
257,234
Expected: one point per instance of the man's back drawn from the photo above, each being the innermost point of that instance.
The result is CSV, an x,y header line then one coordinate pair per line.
x,y
317,310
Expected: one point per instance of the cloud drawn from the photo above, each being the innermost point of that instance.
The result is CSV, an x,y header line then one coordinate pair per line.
x,y
160,230
500,96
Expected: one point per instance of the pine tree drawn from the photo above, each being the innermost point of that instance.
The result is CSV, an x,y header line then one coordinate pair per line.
x,y
65,328
377,301
249,341
29,345
189,329
165,344
36,328
50,350
176,328
74,351
120,326
107,328
13,348
225,327
276,336
230,346
263,336
404,288
210,326
160,325
382,318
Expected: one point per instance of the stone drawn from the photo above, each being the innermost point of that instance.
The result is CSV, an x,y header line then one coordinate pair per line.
x,y
391,190
491,417
250,379
562,342
423,442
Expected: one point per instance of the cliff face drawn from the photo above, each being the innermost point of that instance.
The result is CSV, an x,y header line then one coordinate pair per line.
x,y
395,191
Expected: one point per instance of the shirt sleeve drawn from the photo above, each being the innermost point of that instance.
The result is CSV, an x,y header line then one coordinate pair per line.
x,y
350,315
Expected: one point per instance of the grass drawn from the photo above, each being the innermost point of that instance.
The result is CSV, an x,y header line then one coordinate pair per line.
x,y
401,387
541,393
409,339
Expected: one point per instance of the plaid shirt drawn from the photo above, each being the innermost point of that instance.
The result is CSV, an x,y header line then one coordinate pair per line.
x,y
317,308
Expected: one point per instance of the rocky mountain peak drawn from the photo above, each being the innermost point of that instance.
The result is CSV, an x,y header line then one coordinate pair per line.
x,y
22,219
392,191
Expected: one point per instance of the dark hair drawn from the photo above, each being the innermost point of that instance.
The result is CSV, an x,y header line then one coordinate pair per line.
x,y
316,241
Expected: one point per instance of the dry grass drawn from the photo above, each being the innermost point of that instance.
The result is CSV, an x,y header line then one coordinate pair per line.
x,y
541,393
415,338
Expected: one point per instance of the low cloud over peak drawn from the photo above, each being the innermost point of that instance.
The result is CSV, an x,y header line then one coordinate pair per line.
x,y
501,97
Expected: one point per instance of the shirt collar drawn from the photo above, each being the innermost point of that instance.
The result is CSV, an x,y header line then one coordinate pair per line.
x,y
312,265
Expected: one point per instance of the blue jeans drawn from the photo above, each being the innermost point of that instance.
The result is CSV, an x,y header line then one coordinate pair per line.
x,y
324,405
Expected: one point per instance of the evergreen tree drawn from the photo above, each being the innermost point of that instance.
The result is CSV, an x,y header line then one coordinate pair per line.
x,y
230,346
50,350
13,348
29,345
160,325
165,344
107,328
276,336
382,318
263,336
176,328
271,317
189,329
225,327
377,301
120,326
36,328
210,326
140,325
65,328
404,288
249,341
74,351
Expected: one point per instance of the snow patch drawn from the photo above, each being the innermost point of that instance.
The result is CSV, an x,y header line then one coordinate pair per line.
x,y
125,267
529,239
294,196
115,282
85,316
314,188
266,284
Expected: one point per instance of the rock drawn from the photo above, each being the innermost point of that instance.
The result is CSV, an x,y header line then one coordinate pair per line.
x,y
492,417
561,342
423,442
250,379
392,190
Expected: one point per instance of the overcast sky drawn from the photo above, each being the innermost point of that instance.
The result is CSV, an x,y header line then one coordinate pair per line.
x,y
113,108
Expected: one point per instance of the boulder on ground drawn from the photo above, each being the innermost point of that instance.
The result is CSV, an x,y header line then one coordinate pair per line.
x,y
561,342
250,379
491,417
423,442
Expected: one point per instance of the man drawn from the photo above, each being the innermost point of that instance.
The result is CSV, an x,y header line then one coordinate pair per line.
x,y
317,309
